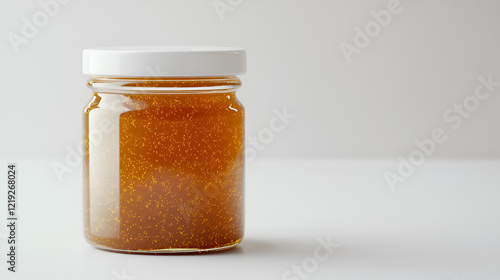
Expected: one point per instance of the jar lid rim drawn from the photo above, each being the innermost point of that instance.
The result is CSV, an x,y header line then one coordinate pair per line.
x,y
163,61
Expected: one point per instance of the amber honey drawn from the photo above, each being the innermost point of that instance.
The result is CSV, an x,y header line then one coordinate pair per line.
x,y
163,164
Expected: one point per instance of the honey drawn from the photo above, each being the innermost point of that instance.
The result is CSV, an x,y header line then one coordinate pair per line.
x,y
164,163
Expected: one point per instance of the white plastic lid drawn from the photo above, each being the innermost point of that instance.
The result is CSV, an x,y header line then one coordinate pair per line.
x,y
168,61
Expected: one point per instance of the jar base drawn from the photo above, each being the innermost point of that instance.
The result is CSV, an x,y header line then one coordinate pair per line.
x,y
171,251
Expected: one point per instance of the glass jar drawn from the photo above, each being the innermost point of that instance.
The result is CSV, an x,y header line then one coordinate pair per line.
x,y
164,149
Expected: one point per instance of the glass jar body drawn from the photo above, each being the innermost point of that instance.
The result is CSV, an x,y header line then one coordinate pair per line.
x,y
164,164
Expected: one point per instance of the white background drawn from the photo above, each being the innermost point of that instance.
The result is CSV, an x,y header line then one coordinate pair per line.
x,y
322,176
395,91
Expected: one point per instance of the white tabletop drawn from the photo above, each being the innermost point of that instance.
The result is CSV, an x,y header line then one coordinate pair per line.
x,y
442,223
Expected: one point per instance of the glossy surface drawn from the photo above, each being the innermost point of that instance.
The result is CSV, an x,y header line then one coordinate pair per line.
x,y
179,171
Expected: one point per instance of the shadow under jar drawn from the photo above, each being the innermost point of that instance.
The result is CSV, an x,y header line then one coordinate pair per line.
x,y
164,150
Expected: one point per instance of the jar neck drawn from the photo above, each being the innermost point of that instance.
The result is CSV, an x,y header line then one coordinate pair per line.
x,y
164,85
